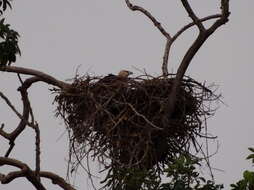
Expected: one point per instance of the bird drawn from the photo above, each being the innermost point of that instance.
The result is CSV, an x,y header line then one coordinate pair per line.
x,y
124,73
111,78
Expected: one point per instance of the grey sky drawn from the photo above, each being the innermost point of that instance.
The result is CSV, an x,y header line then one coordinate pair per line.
x,y
104,37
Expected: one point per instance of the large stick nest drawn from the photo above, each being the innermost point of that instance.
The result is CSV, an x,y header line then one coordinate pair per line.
x,y
123,119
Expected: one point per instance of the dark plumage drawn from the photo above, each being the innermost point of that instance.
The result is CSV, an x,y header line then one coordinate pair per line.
x,y
111,78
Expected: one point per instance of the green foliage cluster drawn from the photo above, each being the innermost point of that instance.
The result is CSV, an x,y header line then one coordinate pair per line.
x,y
247,183
8,38
183,175
180,174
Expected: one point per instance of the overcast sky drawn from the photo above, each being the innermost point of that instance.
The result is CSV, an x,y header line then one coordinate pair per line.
x,y
104,37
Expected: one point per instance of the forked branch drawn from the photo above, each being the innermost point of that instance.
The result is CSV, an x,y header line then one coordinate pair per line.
x,y
26,172
200,40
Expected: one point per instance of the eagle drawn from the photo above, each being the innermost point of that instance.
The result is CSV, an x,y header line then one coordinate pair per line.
x,y
124,73
111,78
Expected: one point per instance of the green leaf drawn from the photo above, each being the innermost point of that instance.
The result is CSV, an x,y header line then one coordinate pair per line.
x,y
251,156
251,149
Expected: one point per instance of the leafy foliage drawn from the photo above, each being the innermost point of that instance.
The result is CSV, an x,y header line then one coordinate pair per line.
x,y
183,176
247,183
9,44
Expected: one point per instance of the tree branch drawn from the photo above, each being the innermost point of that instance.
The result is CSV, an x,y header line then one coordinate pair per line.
x,y
165,57
8,102
25,171
150,16
171,41
192,24
56,180
30,175
42,76
193,16
23,118
202,37
22,124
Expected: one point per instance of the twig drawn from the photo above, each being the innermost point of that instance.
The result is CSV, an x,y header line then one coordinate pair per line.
x,y
141,115
150,16
8,102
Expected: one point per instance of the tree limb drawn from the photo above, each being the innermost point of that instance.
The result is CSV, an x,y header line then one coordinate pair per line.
x,y
43,76
25,172
193,16
56,180
202,37
22,124
150,16
192,24
30,175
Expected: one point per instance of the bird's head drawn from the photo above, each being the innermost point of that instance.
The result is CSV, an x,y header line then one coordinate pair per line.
x,y
124,73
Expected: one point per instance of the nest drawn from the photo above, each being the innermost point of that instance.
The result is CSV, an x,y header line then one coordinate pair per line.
x,y
124,120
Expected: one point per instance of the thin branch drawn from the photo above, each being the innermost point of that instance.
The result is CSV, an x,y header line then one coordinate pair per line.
x,y
170,42
142,116
150,16
165,58
12,144
223,19
43,76
23,122
25,171
193,16
37,151
30,175
23,118
56,180
8,102
192,24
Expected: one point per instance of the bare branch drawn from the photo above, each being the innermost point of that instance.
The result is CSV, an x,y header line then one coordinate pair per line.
x,y
56,180
23,122
43,76
165,58
37,151
25,171
202,37
150,16
23,118
170,42
224,17
193,16
8,102
192,24
30,175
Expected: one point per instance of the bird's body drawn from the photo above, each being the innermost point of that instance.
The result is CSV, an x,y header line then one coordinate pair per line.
x,y
111,78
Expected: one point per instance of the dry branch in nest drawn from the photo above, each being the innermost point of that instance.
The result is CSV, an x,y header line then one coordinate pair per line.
x,y
121,118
